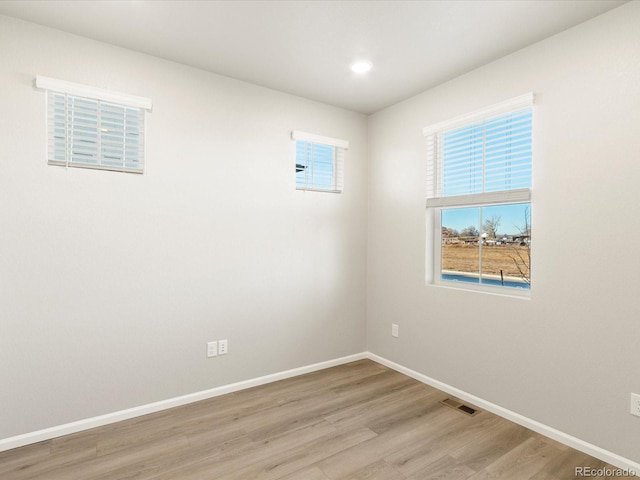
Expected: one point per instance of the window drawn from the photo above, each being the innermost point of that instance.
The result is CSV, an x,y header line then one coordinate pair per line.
x,y
479,179
93,128
319,162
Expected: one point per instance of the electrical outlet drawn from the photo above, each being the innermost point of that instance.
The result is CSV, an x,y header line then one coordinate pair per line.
x,y
212,349
635,404
394,330
223,347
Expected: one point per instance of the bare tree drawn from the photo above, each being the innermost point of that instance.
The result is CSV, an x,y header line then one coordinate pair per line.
x,y
470,231
449,232
491,225
522,256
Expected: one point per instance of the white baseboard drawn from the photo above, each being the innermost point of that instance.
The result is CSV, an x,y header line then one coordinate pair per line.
x,y
564,438
86,424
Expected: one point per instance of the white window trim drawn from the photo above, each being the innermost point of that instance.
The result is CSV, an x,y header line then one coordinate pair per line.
x,y
310,137
433,257
79,90
495,110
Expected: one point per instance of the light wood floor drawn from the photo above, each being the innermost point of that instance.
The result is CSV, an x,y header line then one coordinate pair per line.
x,y
356,421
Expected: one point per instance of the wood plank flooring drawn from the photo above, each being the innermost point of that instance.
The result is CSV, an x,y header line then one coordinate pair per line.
x,y
359,421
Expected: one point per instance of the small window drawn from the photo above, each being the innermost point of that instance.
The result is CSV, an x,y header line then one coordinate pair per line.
x,y
93,128
479,179
319,162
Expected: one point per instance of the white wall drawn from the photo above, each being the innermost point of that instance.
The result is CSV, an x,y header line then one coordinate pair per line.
x,y
111,284
569,356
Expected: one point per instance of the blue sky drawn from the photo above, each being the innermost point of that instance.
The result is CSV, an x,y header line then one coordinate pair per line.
x,y
512,217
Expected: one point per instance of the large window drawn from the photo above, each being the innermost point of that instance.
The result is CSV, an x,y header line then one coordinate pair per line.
x,y
93,128
479,183
319,162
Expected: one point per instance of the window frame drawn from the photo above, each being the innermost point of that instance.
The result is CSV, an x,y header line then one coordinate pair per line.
x,y
104,101
338,147
436,204
435,278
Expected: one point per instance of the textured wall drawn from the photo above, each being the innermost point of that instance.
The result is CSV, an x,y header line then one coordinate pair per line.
x,y
111,284
568,356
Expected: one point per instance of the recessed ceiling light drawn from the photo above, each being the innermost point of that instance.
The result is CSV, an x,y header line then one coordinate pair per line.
x,y
361,67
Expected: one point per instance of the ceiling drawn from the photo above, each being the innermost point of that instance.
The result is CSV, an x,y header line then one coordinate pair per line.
x,y
306,47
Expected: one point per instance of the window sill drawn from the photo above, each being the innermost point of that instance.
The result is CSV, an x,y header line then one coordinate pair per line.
x,y
519,293
302,189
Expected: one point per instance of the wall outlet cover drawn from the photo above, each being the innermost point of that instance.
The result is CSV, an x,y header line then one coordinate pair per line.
x,y
212,349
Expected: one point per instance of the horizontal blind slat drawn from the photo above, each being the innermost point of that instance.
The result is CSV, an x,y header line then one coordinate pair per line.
x,y
94,134
319,167
492,154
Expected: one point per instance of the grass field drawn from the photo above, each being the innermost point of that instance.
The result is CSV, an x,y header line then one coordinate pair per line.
x,y
464,258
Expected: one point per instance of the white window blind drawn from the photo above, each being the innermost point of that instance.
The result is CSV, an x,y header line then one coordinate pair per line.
x,y
319,162
481,158
93,128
